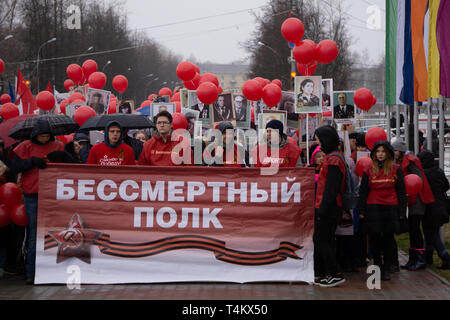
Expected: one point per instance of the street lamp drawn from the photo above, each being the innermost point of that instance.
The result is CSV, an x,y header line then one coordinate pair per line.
x,y
271,49
107,63
7,38
88,49
39,50
137,85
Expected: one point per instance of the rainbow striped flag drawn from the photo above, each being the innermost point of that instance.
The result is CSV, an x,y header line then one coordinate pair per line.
x,y
417,50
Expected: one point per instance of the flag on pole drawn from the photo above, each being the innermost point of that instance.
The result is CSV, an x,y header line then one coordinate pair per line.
x,y
391,51
11,92
25,100
433,52
49,87
443,43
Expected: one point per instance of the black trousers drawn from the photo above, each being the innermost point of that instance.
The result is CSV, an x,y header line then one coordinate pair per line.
x,y
324,246
382,246
415,234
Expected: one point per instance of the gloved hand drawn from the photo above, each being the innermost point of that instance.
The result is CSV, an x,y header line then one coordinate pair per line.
x,y
39,162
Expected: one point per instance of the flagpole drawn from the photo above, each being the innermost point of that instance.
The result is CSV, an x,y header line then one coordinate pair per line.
x,y
397,123
416,127
388,116
429,124
407,126
441,131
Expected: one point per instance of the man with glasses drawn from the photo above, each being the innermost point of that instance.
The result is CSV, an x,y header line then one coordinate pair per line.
x,y
158,150
240,108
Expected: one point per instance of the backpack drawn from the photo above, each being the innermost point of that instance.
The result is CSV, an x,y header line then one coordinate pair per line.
x,y
350,196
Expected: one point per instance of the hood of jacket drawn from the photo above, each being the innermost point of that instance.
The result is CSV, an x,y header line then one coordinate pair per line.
x,y
385,144
426,158
42,126
107,142
328,137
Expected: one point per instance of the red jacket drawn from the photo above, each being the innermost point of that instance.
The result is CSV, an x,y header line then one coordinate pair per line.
x,y
156,152
322,180
382,187
287,156
102,155
28,149
426,194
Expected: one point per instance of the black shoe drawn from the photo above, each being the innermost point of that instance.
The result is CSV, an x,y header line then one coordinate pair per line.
x,y
411,260
420,263
331,281
445,262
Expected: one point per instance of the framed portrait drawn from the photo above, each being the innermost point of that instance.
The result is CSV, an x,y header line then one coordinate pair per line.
x,y
126,106
287,103
308,126
344,110
80,89
267,116
242,110
184,97
223,109
157,107
72,107
98,100
162,99
308,93
205,110
327,99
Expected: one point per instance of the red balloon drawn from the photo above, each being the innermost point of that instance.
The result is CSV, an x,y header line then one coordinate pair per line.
x,y
308,69
176,97
5,98
177,106
271,95
68,84
363,99
82,114
326,51
252,90
220,90
261,81
19,215
293,30
165,92
112,108
305,52
373,135
5,215
9,110
2,66
75,73
62,105
45,100
194,83
89,67
362,165
374,102
179,121
209,77
146,103
186,71
277,82
75,96
297,133
207,92
97,80
78,101
120,83
413,184
10,194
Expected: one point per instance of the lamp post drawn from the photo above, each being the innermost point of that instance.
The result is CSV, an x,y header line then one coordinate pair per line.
x,y
107,63
88,49
7,38
39,50
271,49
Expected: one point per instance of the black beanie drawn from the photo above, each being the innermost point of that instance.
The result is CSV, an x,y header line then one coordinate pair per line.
x,y
275,124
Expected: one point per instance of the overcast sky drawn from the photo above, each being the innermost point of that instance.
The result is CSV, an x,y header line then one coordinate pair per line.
x,y
217,38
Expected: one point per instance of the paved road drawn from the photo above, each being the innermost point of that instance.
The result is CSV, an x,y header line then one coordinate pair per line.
x,y
404,286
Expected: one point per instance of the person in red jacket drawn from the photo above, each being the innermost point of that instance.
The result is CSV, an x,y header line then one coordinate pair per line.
x,y
112,151
410,164
288,153
159,149
381,205
30,156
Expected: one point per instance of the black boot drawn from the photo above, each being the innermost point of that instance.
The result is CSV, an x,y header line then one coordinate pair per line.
x,y
385,276
411,260
429,255
446,262
420,261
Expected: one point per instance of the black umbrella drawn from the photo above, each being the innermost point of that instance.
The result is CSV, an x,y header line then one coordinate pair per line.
x,y
59,124
127,121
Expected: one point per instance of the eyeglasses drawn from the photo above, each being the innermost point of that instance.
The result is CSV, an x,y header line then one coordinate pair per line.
x,y
163,123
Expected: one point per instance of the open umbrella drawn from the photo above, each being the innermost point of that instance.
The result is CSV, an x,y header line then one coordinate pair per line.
x,y
59,124
6,126
127,121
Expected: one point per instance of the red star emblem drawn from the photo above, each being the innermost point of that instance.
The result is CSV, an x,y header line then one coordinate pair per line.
x,y
74,241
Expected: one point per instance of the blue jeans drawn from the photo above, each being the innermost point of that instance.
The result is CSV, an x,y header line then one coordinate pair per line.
x,y
31,207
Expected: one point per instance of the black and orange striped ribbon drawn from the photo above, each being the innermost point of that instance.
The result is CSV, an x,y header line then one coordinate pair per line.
x,y
138,250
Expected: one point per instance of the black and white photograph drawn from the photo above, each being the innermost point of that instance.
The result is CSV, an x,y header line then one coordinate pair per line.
x,y
242,110
309,126
98,100
194,103
287,103
126,106
157,107
308,94
327,99
223,108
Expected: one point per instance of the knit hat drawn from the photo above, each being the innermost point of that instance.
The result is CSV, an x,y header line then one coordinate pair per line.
x,y
353,135
223,126
276,125
399,145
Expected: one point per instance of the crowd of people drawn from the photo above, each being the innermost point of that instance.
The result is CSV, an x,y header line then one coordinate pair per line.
x,y
383,208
